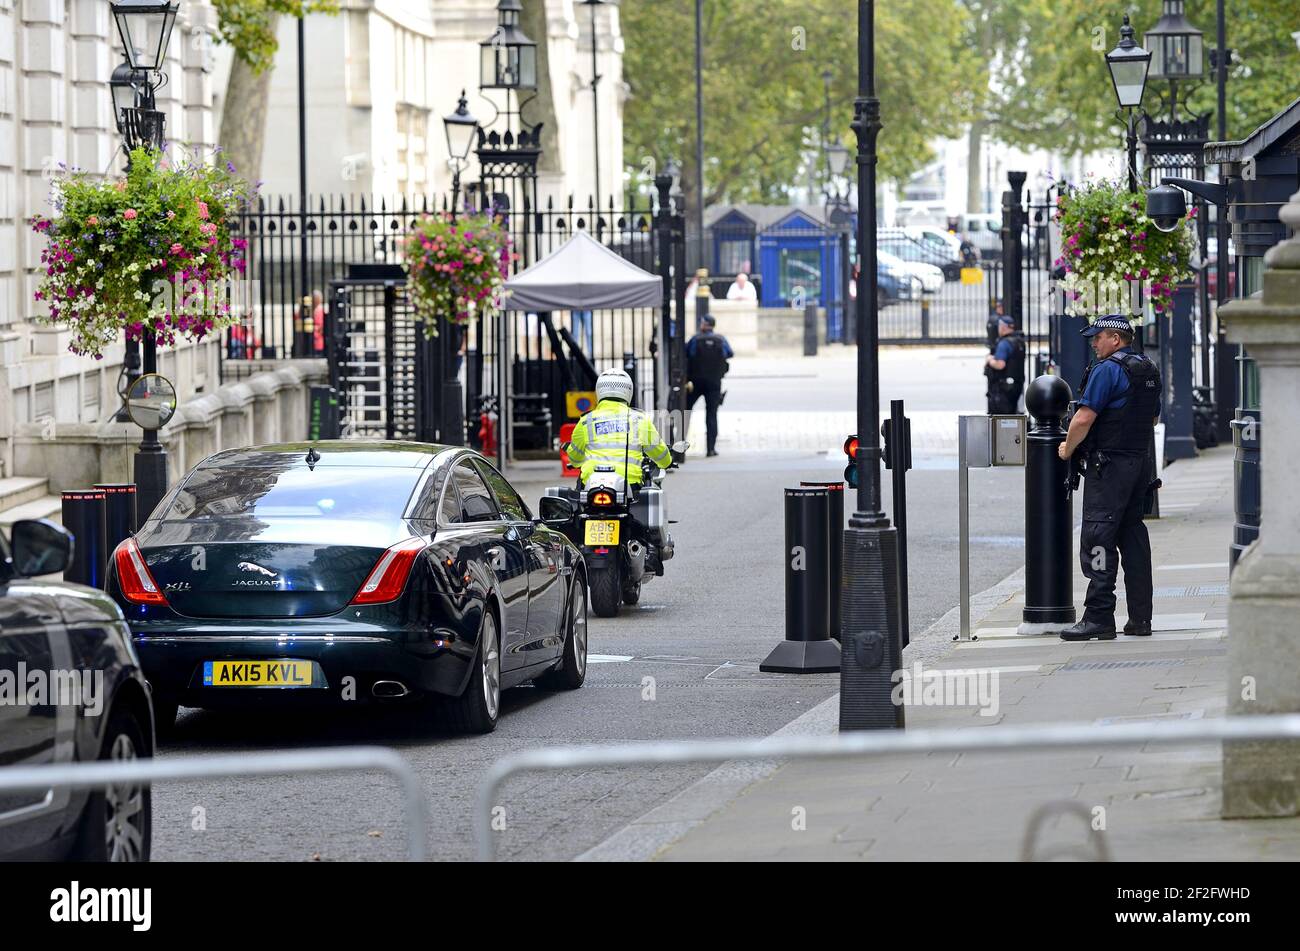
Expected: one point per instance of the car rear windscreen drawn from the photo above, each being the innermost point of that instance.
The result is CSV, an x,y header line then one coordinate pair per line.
x,y
267,494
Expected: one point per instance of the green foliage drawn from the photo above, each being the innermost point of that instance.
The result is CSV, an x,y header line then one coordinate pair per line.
x,y
763,88
249,25
150,251
455,267
1108,239
1067,101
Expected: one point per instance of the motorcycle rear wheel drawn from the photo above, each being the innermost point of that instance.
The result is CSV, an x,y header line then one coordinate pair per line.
x,y
606,593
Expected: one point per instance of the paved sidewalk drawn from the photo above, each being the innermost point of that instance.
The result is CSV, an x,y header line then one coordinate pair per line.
x,y
1156,804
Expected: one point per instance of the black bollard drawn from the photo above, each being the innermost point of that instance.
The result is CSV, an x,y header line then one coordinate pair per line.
x,y
119,514
807,648
835,561
810,330
83,516
1049,516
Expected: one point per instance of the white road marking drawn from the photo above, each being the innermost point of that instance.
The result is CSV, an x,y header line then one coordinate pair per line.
x,y
608,658
1193,567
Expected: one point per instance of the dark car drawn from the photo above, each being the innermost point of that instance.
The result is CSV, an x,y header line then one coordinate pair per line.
x,y
350,571
70,690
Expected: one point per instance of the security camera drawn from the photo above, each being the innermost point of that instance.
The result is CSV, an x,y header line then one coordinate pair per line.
x,y
1166,207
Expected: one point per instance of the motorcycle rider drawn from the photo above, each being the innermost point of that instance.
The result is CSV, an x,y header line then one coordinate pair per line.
x,y
616,435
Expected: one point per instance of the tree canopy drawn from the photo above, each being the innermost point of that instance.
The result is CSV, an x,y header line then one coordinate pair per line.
x,y
763,87
1030,73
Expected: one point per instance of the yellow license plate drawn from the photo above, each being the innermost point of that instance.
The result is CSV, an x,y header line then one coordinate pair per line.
x,y
603,532
257,673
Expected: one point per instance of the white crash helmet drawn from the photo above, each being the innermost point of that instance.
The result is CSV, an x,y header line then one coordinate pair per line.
x,y
614,384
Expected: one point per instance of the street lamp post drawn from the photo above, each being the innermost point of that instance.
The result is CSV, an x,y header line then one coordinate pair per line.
x,y
145,28
595,109
1128,64
1174,146
461,129
699,133
837,223
870,618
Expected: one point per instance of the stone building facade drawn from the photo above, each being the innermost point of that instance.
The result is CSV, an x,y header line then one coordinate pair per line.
x,y
56,57
382,74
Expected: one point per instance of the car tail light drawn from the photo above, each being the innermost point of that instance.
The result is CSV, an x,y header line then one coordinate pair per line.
x,y
602,498
133,575
387,579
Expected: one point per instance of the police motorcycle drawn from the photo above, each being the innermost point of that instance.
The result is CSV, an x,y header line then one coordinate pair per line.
x,y
622,530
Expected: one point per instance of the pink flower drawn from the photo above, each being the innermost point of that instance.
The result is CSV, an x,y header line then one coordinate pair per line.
x,y
92,221
176,248
203,208
129,214
171,215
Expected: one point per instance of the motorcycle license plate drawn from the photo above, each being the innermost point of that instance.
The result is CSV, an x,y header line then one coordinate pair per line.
x,y
601,532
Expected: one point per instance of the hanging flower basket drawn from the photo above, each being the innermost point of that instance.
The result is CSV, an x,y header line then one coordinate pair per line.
x,y
455,268
1108,243
149,252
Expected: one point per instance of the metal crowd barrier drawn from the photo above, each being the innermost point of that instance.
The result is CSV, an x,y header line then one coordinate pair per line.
x,y
868,743
100,774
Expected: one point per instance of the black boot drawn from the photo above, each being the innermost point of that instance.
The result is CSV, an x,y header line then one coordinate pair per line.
x,y
1089,630
1138,628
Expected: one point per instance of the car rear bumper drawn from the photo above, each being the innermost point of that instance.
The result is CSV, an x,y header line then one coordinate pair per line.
x,y
347,665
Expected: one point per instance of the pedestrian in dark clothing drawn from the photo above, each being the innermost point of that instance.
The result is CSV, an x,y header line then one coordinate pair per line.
x,y
1112,425
1005,369
707,354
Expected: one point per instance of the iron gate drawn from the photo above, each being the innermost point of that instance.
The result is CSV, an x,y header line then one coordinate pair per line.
x,y
394,383
376,351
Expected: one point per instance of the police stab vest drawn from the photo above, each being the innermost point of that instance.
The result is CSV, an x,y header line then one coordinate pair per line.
x,y
1128,429
709,361
1015,369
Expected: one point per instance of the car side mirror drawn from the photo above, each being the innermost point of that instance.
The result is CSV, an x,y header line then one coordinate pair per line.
x,y
555,511
40,548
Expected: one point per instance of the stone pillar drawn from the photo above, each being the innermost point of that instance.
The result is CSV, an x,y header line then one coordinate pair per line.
x,y
1263,779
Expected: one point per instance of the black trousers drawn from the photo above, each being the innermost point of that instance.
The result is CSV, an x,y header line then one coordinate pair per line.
x,y
1113,533
1002,400
711,390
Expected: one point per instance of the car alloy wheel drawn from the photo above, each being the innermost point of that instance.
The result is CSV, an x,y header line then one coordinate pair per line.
x,y
491,673
124,814
578,627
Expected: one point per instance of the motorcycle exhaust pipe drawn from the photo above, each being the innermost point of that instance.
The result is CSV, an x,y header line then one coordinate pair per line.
x,y
636,558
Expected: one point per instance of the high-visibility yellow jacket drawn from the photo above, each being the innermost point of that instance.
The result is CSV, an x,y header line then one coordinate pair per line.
x,y
616,435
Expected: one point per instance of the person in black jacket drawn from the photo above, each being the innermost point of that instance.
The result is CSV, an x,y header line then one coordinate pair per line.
x,y
707,354
1112,425
1005,369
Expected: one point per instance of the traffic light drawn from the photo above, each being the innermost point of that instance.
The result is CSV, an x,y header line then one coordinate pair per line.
x,y
851,470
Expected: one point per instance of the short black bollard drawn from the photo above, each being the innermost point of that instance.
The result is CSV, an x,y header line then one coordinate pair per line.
x,y
119,514
1049,516
835,561
925,316
83,516
810,330
807,648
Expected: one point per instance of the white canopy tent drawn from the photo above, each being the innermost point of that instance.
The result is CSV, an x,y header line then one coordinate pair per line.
x,y
582,274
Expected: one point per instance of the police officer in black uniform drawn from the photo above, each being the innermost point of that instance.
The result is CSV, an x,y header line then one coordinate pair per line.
x,y
1005,368
1112,425
707,354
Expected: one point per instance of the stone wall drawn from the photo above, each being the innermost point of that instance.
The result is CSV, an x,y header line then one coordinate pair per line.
x,y
268,407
